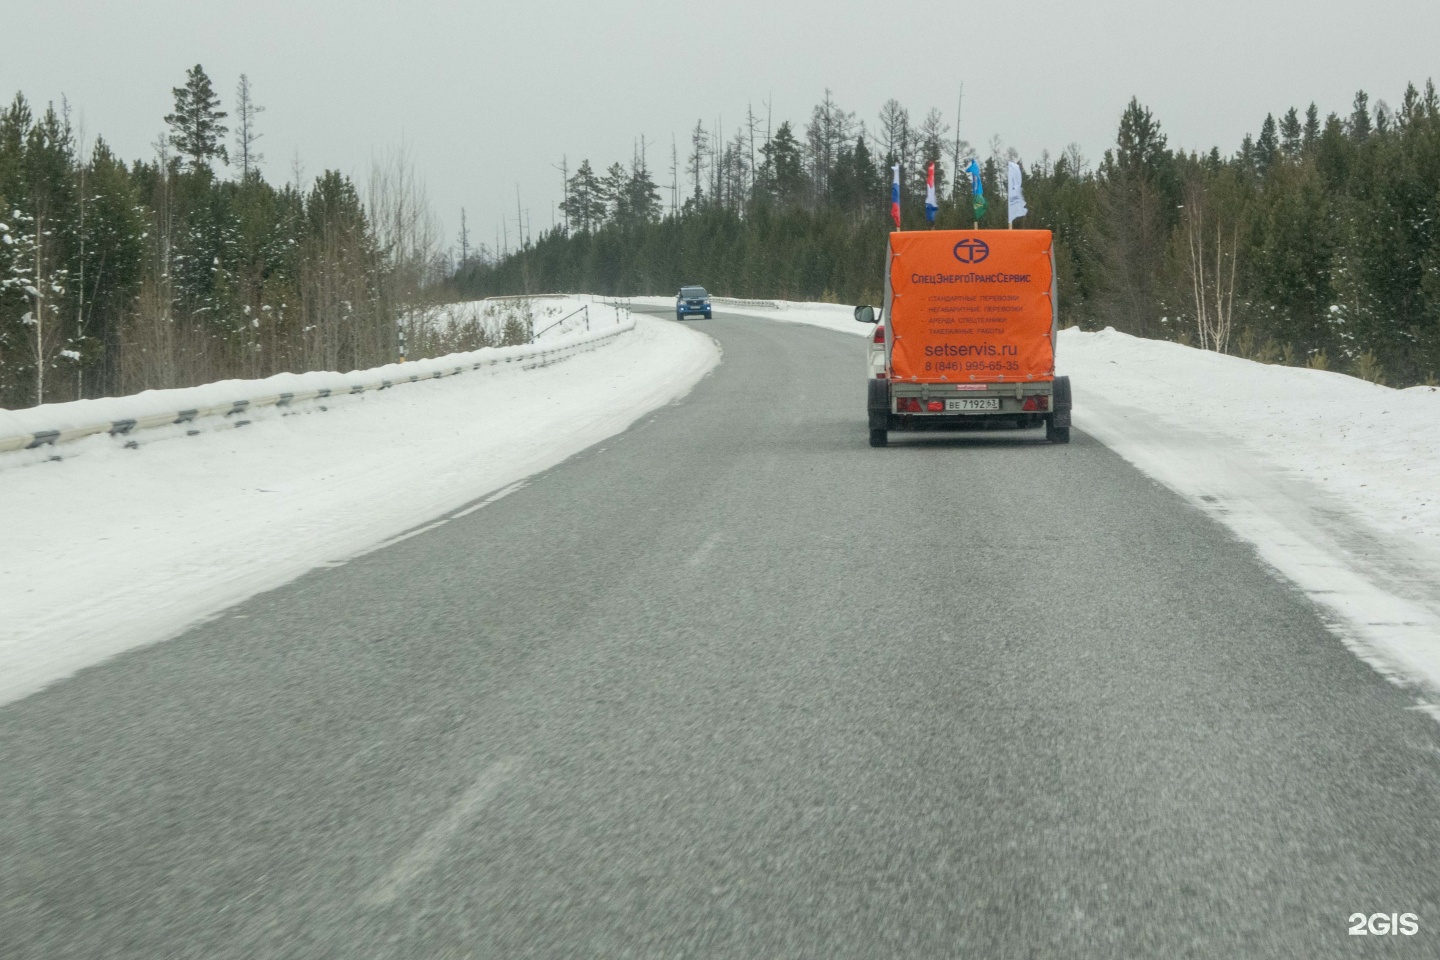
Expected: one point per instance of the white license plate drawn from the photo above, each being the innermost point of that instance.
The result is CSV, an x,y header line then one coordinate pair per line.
x,y
973,403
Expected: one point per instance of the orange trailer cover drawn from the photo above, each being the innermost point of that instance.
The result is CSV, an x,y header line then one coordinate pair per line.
x,y
971,306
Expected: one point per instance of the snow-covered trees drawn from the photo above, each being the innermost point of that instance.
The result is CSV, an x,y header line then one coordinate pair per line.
x,y
37,197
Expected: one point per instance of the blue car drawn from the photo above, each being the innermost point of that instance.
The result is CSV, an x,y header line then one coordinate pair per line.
x,y
690,301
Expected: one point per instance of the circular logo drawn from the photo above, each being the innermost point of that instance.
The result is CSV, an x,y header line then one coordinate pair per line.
x,y
971,251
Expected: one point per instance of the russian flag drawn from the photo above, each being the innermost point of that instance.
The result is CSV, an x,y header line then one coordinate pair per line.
x,y
930,205
895,196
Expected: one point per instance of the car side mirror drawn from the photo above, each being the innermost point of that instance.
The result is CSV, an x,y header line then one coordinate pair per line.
x,y
865,314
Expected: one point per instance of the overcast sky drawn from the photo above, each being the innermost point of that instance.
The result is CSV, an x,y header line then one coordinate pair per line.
x,y
488,95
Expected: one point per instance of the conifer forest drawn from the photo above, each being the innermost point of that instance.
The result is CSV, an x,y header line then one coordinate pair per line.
x,y
190,266
1312,242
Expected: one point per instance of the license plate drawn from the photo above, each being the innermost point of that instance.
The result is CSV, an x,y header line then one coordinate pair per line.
x,y
973,403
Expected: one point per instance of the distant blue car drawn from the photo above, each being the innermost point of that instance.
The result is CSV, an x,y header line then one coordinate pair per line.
x,y
690,301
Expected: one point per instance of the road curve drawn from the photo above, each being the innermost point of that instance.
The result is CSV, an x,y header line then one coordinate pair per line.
x,y
734,684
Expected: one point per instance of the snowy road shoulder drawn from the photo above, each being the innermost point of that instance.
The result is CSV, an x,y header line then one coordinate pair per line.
x,y
1333,479
111,548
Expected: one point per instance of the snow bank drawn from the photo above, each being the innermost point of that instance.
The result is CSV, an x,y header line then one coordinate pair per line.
x,y
112,548
92,416
1336,481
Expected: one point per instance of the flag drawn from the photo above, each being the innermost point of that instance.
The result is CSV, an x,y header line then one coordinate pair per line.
x,y
930,205
1017,196
895,196
977,189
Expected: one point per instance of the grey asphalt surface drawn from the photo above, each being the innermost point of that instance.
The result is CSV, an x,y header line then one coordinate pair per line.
x,y
734,684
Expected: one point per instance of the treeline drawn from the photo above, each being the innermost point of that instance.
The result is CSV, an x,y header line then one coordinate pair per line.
x,y
1313,243
117,277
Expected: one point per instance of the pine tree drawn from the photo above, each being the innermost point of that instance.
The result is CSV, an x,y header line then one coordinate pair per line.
x,y
784,157
1137,214
1291,134
1267,146
584,204
615,188
642,196
195,127
857,184
1360,126
113,255
1312,128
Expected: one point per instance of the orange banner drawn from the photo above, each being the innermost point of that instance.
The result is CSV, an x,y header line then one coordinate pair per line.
x,y
971,306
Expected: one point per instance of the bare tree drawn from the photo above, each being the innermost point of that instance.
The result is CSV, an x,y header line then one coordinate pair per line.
x,y
931,143
960,149
564,169
1212,282
750,120
894,136
404,223
695,165
674,175
246,135
1078,163
830,128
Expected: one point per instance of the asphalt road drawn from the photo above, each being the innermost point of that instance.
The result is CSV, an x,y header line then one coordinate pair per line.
x,y
734,684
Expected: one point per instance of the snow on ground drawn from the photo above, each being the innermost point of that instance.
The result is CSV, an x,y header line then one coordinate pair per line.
x,y
1336,481
112,548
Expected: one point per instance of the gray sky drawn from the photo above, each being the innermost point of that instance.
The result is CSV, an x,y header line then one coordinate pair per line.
x,y
490,94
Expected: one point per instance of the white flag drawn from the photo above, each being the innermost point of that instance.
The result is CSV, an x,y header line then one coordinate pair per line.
x,y
1017,196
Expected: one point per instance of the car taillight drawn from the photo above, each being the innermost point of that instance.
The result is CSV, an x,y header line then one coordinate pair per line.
x,y
907,405
879,336
1036,403
935,406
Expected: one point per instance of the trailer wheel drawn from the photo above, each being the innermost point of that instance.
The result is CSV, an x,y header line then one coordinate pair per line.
x,y
877,405
1062,394
1056,434
879,438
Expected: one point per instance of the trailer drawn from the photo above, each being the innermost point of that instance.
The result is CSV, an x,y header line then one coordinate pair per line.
x,y
966,336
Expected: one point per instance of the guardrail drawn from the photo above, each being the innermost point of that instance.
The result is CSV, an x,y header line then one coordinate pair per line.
x,y
528,356
585,310
736,302
530,296
616,303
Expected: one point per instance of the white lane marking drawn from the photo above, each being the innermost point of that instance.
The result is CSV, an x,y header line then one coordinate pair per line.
x,y
504,492
402,538
428,849
698,557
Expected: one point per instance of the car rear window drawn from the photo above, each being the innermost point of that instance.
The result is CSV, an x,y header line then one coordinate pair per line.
x,y
690,293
